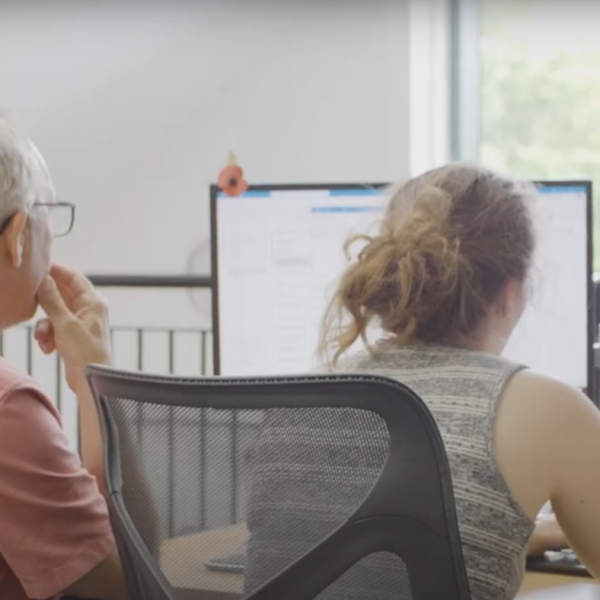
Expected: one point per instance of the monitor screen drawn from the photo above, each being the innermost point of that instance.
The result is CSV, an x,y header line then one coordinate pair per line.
x,y
555,335
278,252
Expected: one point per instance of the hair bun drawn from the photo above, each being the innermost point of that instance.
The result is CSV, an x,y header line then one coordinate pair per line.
x,y
448,242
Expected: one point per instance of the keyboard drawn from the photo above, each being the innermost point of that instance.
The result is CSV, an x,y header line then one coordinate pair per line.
x,y
564,562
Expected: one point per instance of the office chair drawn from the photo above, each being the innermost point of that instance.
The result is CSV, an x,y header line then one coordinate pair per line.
x,y
186,460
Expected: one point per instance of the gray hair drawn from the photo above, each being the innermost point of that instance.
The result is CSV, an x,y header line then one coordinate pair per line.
x,y
22,171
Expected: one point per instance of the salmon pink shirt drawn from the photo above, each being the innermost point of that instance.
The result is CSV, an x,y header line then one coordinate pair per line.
x,y
54,525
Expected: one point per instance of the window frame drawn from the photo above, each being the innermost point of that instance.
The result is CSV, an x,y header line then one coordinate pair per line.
x,y
465,78
429,85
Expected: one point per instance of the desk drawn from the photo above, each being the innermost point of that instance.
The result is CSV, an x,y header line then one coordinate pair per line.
x,y
544,586
182,561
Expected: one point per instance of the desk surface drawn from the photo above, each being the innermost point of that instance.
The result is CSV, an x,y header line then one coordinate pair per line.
x,y
538,586
182,561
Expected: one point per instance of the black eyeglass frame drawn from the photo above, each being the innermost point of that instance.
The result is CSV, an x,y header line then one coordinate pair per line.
x,y
48,205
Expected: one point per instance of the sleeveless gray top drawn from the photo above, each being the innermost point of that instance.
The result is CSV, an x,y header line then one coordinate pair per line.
x,y
292,506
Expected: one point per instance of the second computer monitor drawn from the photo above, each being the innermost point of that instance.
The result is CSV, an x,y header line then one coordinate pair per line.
x,y
278,253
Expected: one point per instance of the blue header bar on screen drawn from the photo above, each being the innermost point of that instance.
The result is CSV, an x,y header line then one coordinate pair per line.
x,y
294,191
358,192
345,209
365,192
561,189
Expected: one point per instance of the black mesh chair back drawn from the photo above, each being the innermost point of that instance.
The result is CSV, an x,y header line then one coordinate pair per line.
x,y
330,487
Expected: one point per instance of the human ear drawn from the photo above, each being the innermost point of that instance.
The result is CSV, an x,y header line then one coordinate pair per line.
x,y
14,238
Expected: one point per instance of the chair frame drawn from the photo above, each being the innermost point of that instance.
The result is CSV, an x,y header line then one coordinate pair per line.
x,y
420,529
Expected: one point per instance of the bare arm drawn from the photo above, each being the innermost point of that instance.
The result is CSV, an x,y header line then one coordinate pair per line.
x,y
136,486
576,492
107,581
547,441
77,327
92,447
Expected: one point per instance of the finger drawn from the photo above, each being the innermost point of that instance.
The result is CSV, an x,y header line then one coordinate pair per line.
x,y
76,289
51,301
44,336
71,279
43,330
46,347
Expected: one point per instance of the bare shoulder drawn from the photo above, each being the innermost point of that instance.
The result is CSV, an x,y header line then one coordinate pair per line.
x,y
544,406
538,424
530,391
547,448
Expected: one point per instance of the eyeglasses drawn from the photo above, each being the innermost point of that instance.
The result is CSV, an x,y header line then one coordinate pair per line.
x,y
61,215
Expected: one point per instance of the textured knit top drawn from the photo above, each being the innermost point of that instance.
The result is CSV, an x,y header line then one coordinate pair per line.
x,y
307,481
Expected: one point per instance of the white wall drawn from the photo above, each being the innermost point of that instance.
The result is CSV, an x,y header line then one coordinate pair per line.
x,y
136,105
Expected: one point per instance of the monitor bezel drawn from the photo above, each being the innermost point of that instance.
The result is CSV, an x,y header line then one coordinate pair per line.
x,y
540,183
214,263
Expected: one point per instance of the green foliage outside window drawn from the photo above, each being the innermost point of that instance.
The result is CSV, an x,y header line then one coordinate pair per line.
x,y
540,94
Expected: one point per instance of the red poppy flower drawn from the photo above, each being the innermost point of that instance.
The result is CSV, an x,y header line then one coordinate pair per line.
x,y
231,178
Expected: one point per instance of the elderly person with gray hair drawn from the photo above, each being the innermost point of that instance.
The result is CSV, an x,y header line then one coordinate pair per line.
x,y
55,535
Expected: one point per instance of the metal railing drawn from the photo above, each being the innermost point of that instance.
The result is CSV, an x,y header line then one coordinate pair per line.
x,y
131,345
152,281
161,348
130,342
166,349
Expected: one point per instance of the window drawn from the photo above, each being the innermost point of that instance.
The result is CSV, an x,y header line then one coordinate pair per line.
x,y
537,87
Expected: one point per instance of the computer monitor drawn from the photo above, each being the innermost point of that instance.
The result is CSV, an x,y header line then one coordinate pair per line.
x,y
277,252
555,336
